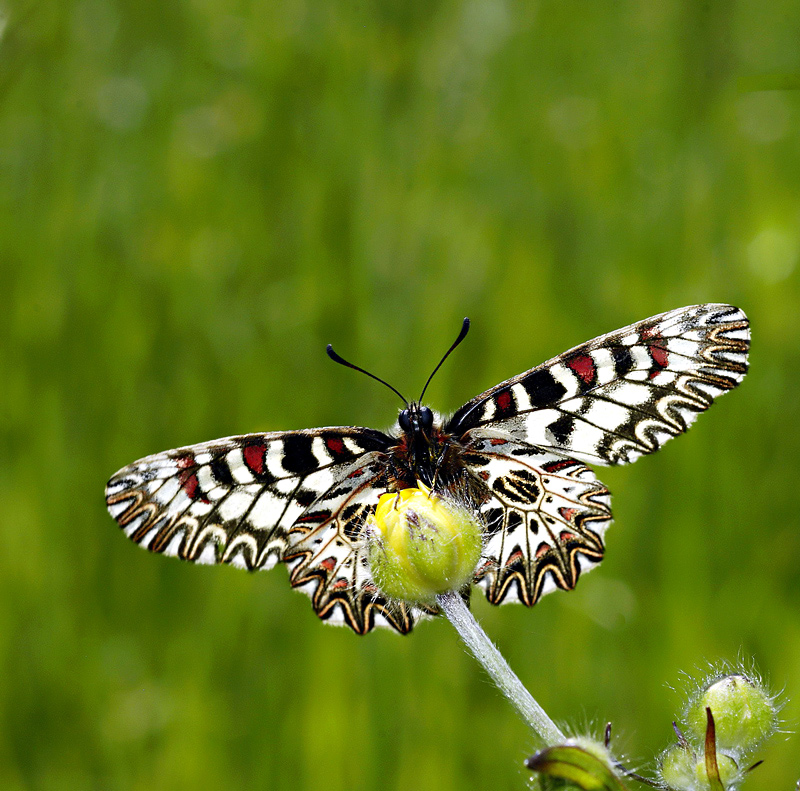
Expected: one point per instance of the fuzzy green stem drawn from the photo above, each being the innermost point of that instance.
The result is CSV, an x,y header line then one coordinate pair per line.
x,y
496,666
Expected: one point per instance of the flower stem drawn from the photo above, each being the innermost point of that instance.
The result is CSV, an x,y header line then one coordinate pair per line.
x,y
496,666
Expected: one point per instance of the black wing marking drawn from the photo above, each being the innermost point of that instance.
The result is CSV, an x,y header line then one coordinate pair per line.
x,y
621,395
300,497
545,519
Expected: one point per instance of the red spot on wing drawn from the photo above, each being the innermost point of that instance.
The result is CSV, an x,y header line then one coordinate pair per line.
x,y
314,516
504,401
184,462
336,446
542,549
329,564
658,353
565,536
568,513
254,456
483,568
497,441
515,557
584,367
557,466
341,584
190,485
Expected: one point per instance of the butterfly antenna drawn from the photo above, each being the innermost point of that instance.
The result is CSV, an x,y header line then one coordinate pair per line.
x,y
338,359
461,336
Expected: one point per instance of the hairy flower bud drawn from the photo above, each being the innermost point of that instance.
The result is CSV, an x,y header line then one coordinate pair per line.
x,y
677,768
421,544
579,764
682,770
745,714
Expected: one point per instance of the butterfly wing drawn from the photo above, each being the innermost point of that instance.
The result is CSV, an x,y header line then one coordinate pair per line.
x,y
621,395
607,401
300,497
545,519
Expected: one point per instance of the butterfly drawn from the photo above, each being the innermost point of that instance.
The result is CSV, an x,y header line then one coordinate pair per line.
x,y
516,453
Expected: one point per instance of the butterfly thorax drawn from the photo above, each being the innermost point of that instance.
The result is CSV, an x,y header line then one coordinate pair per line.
x,y
424,452
418,445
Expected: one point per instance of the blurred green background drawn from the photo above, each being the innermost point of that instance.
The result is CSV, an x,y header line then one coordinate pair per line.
x,y
195,197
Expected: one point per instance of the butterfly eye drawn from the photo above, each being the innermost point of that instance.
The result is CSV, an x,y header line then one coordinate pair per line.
x,y
426,419
404,420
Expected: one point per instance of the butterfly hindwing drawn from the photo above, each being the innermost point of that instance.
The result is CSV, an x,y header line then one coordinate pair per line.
x,y
623,394
327,553
545,519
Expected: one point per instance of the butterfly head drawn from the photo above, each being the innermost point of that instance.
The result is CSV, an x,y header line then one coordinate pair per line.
x,y
416,420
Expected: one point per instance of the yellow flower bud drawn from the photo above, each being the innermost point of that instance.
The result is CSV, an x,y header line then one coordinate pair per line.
x,y
421,544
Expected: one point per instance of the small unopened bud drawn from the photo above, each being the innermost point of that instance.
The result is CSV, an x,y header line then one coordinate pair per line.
x,y
744,712
682,770
581,764
677,768
421,544
728,772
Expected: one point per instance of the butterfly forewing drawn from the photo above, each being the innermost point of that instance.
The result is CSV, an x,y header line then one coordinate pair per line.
x,y
242,500
624,394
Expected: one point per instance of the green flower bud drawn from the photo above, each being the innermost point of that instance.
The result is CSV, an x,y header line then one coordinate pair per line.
x,y
677,768
581,764
745,714
728,771
680,769
421,544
